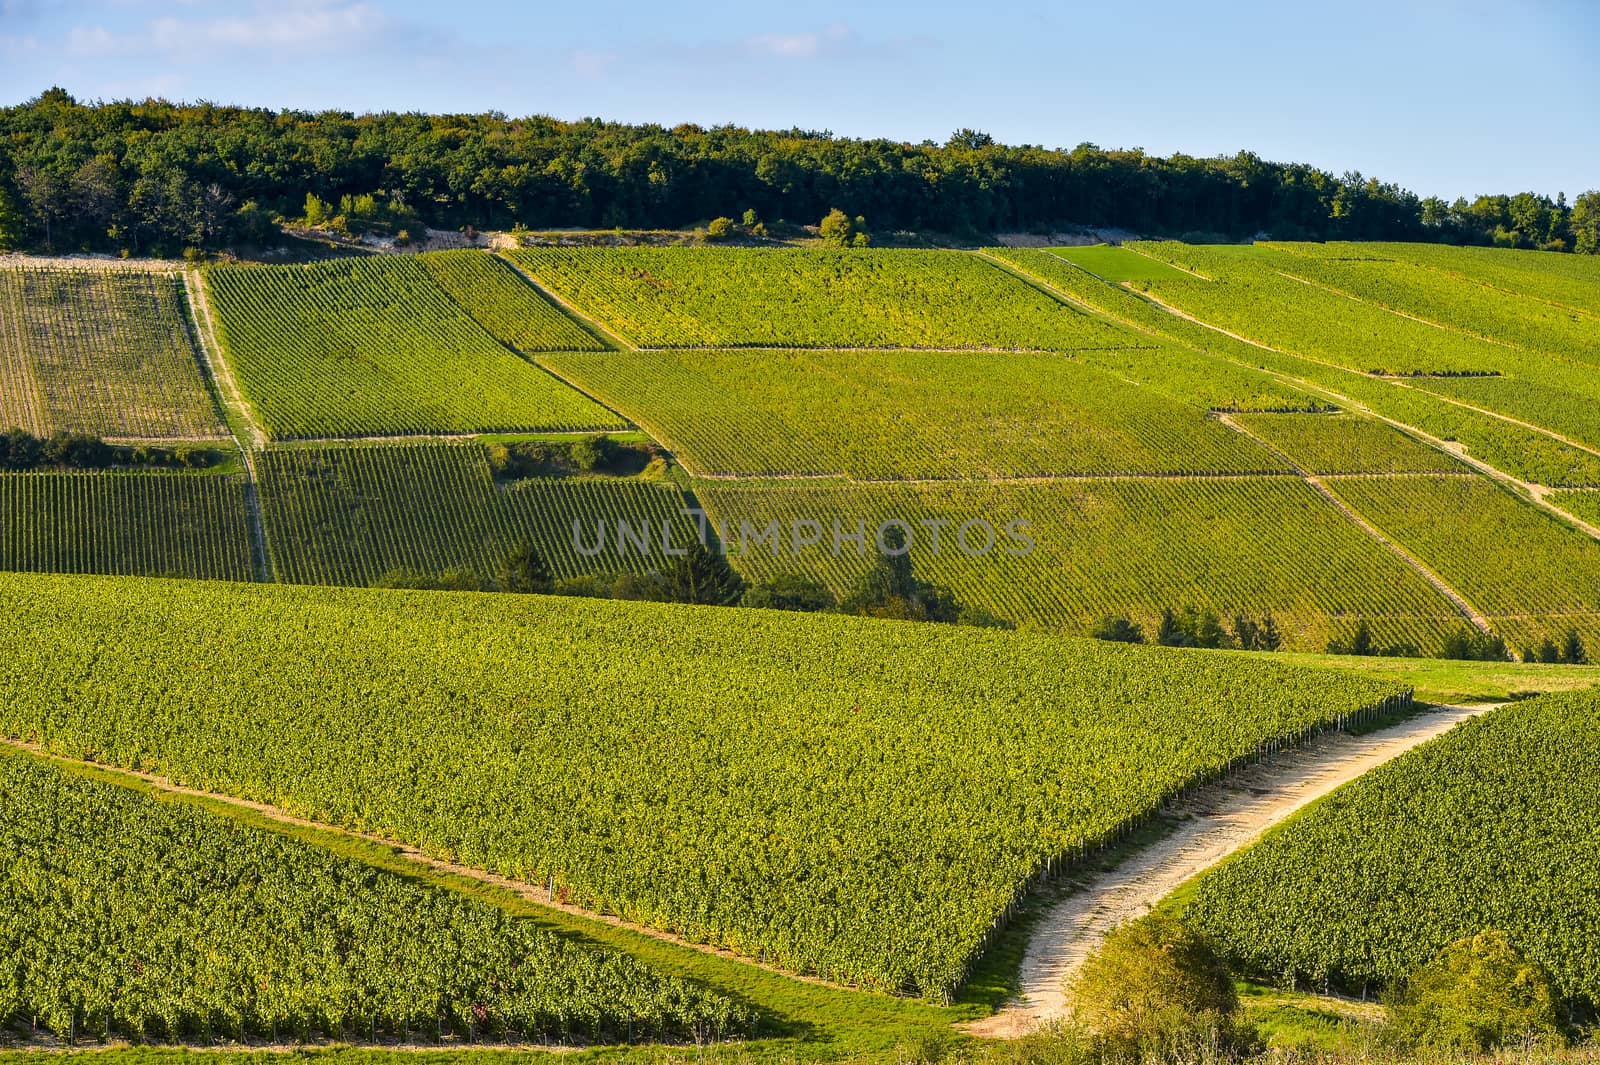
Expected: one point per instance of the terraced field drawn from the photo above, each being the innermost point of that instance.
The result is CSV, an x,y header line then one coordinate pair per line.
x,y
1235,546
1530,574
1340,444
727,297
350,515
100,349
376,347
184,525
907,414
857,799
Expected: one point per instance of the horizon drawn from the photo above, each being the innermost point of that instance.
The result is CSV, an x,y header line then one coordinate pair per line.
x,y
848,71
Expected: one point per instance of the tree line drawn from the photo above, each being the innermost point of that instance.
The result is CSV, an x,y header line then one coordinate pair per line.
x,y
154,177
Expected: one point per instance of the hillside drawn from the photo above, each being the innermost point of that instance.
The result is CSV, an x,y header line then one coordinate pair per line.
x,y
1255,431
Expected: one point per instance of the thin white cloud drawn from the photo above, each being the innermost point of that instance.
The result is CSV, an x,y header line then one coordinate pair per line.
x,y
807,45
294,27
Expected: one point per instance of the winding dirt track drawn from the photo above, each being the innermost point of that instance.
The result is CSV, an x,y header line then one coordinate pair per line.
x,y
1216,821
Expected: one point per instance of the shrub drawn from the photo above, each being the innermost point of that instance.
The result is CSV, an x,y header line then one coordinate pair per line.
x,y
525,572
720,229
1118,629
1154,989
1470,645
790,591
1478,994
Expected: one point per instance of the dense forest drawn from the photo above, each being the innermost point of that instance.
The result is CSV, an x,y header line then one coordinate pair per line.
x,y
155,178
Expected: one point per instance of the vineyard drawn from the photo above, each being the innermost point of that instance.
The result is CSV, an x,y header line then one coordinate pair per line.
x,y
724,298
220,928
184,525
1334,444
1518,450
375,347
1490,826
1532,575
512,310
1115,547
851,798
907,414
350,515
100,349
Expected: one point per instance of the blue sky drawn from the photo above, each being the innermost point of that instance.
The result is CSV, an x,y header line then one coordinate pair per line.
x,y
1445,98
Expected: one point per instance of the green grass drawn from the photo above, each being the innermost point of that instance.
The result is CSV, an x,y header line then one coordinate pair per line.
x,y
339,515
374,347
1100,548
742,297
1442,681
105,350
861,800
144,523
906,414
1117,264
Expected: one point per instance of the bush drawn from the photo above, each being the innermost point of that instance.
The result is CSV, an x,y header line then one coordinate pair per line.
x,y
1470,645
1478,994
1154,989
720,229
1117,629
790,591
1192,628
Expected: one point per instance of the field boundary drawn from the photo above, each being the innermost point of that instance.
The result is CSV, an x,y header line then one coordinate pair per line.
x,y
1471,613
234,407
524,890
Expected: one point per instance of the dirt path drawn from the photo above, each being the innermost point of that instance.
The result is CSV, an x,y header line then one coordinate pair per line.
x,y
1217,821
233,402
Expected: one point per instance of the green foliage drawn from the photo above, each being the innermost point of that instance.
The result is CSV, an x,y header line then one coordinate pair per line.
x,y
1154,988
1117,629
1253,634
1493,825
909,414
1473,645
238,930
192,525
1192,627
868,801
811,298
890,589
837,228
1480,993
720,229
316,211
525,571
12,222
789,591
99,349
375,346
1066,554
349,515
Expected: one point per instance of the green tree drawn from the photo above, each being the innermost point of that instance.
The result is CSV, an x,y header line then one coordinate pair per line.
x,y
1117,628
701,575
13,226
316,210
837,228
524,571
1584,222
1572,650
790,591
1477,994
720,228
1156,989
